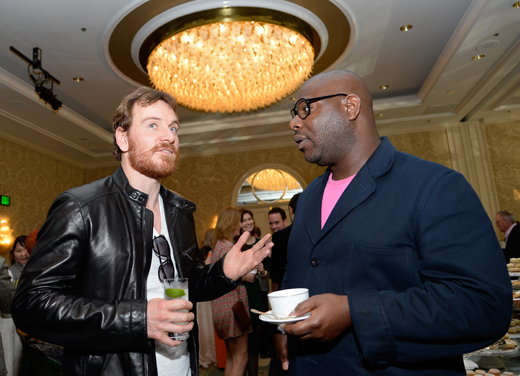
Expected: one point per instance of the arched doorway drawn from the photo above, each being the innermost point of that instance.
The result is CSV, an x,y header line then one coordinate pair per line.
x,y
264,187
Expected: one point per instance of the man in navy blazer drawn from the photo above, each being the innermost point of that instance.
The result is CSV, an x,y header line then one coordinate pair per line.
x,y
404,270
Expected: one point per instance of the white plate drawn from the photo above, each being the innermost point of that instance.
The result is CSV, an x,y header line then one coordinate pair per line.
x,y
268,317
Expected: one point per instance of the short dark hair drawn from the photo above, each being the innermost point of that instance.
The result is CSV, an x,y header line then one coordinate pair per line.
x,y
278,210
293,202
144,96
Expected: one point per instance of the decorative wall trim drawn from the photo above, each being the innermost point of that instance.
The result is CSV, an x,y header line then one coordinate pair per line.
x,y
470,156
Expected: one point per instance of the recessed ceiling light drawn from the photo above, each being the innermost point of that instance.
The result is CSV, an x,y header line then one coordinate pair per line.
x,y
384,87
405,27
478,57
293,98
451,92
516,5
380,115
77,79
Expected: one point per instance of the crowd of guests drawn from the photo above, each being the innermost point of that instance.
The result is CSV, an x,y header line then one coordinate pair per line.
x,y
243,344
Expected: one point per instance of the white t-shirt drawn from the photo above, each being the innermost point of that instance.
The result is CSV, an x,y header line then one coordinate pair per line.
x,y
171,361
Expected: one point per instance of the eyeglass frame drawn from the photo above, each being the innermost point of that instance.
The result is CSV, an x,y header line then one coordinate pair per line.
x,y
168,262
294,110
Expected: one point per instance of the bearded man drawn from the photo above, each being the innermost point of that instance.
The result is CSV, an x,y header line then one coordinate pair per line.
x,y
93,283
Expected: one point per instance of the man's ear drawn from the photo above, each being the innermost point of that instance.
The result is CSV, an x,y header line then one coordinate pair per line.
x,y
122,139
353,106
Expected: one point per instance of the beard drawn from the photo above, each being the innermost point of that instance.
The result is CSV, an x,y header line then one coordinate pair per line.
x,y
142,160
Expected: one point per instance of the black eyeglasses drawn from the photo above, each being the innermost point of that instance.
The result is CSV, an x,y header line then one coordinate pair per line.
x,y
162,250
302,108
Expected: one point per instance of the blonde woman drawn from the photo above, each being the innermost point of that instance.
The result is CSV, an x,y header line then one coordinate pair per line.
x,y
235,338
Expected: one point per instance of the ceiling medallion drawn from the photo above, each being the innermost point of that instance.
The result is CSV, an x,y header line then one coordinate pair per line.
x,y
230,59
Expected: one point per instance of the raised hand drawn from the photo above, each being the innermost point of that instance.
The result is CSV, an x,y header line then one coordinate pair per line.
x,y
238,263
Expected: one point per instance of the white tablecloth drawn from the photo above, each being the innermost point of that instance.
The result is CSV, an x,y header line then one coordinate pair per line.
x,y
12,345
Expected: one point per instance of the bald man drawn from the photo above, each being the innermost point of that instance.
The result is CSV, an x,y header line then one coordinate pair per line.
x,y
393,249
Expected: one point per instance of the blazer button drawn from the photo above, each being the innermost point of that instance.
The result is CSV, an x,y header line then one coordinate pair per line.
x,y
315,262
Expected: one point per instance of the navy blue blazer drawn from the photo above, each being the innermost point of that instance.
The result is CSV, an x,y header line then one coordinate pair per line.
x,y
411,246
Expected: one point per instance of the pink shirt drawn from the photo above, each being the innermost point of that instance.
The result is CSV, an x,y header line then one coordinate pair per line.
x,y
333,191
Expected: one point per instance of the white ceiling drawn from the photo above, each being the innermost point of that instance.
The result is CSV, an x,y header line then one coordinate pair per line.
x,y
432,77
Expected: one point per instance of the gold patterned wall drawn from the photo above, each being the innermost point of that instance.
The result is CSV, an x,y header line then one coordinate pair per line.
x,y
210,181
33,181
503,141
432,146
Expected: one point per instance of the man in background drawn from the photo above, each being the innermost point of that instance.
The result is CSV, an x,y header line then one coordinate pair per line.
x,y
276,273
392,248
506,223
279,251
277,219
94,281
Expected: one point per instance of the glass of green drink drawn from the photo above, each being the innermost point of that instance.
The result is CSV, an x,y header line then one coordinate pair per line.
x,y
177,288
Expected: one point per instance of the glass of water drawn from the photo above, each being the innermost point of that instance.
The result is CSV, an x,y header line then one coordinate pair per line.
x,y
177,288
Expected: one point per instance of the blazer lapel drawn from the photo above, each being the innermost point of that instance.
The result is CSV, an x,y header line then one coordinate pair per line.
x,y
360,189
312,210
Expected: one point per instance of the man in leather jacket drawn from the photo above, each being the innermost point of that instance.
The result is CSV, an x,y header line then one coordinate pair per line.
x,y
90,283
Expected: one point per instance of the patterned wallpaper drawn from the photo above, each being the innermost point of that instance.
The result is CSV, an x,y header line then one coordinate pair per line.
x,y
33,180
209,181
504,150
432,146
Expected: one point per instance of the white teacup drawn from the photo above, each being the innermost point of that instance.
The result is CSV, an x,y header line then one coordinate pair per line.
x,y
283,302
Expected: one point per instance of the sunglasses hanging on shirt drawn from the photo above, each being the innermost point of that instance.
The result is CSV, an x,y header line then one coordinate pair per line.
x,y
162,250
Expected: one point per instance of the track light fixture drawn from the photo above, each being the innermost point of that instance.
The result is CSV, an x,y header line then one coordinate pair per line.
x,y
43,80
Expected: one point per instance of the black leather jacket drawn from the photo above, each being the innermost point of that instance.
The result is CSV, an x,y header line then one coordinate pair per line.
x,y
84,286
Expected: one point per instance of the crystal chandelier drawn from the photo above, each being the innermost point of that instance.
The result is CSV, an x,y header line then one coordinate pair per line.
x,y
231,66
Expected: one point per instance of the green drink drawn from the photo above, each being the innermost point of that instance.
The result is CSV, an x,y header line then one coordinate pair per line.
x,y
177,288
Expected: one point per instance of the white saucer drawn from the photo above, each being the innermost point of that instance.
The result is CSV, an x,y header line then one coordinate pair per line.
x,y
268,317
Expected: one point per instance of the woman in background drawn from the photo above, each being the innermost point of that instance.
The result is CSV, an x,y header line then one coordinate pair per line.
x,y
19,257
256,284
235,338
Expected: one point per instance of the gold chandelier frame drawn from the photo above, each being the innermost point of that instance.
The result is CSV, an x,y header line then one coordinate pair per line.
x,y
229,14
